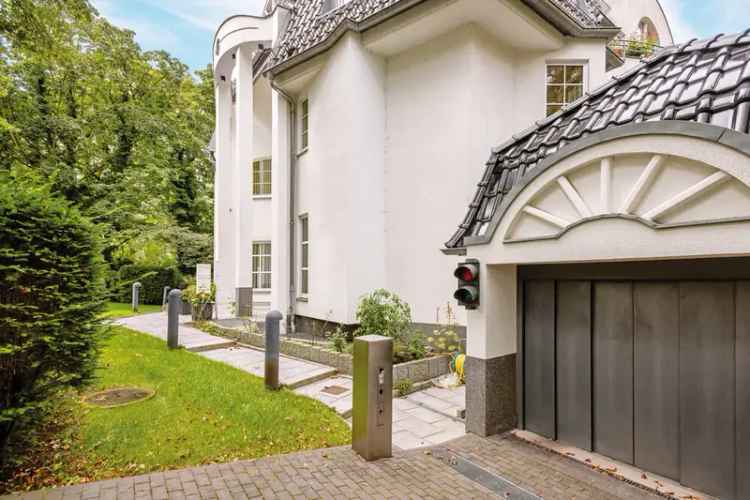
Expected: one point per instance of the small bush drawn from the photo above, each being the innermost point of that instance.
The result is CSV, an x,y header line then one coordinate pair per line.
x,y
409,347
383,313
444,339
338,339
51,296
404,387
153,280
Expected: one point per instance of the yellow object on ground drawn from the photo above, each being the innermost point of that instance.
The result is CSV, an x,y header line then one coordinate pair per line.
x,y
460,359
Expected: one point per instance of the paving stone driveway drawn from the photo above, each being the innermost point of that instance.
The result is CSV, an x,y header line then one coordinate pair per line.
x,y
339,473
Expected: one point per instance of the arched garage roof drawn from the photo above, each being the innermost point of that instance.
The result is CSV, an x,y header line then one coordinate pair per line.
x,y
707,82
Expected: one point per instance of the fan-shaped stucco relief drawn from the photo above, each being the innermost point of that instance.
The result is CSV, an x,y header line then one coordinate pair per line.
x,y
660,191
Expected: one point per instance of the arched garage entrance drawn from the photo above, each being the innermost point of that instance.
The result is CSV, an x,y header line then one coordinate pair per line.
x,y
616,278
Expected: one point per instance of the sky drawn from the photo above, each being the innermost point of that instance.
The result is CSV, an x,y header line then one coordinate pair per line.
x,y
185,28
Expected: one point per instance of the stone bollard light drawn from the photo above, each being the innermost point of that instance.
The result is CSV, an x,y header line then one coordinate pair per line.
x,y
372,413
273,319
136,296
173,318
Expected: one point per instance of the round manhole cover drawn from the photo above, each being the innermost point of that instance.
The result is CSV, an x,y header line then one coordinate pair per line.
x,y
118,397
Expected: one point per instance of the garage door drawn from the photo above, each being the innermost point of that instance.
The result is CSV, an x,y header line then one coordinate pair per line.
x,y
648,364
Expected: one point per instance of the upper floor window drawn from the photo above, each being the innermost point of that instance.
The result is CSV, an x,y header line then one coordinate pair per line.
x,y
262,177
564,85
305,119
261,264
647,32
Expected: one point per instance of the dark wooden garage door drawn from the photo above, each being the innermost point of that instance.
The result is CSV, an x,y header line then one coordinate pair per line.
x,y
647,364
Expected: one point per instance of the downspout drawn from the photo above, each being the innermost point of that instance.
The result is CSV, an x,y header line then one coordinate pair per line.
x,y
290,320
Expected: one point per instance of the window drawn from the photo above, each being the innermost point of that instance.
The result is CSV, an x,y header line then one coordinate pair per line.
x,y
564,85
262,177
305,123
304,268
261,264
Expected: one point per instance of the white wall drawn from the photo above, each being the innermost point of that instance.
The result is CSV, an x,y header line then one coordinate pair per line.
x,y
446,102
397,145
340,181
449,102
261,206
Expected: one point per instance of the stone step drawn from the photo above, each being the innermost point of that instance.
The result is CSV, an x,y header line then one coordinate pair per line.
x,y
210,346
307,380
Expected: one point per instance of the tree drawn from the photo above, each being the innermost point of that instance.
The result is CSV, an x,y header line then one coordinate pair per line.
x,y
121,132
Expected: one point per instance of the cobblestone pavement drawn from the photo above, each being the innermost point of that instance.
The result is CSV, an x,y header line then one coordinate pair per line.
x,y
339,473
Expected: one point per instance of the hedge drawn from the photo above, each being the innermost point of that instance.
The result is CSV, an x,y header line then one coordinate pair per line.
x,y
152,279
51,296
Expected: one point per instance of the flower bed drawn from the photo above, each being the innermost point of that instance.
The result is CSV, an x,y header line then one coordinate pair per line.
x,y
415,371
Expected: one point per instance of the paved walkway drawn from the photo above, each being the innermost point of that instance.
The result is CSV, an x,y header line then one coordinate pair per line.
x,y
469,467
190,338
292,372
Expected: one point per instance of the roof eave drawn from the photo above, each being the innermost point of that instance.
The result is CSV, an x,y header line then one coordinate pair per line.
x,y
359,27
561,21
566,24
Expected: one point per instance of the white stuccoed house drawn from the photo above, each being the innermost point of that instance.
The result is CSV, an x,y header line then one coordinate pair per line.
x,y
351,134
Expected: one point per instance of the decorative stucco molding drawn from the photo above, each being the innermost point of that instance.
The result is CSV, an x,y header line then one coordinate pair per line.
x,y
736,141
656,190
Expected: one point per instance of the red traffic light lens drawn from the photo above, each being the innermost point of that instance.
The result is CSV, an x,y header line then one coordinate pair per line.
x,y
466,272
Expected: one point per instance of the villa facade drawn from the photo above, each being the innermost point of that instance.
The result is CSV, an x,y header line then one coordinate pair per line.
x,y
350,134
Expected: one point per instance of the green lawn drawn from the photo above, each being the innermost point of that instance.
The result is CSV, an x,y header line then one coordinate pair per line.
x,y
121,310
203,412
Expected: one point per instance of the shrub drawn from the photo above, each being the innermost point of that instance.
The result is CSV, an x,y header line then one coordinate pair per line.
x,y
338,339
409,347
444,339
51,297
383,313
153,280
404,387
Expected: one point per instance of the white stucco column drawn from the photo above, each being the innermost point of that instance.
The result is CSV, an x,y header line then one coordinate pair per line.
x,y
491,329
280,197
243,147
224,245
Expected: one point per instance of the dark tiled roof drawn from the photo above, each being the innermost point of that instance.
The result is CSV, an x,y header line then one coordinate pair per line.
x,y
308,27
701,81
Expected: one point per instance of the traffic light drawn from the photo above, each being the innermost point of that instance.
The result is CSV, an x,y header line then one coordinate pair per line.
x,y
467,274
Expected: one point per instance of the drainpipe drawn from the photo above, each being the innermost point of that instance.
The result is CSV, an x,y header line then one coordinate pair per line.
x,y
290,321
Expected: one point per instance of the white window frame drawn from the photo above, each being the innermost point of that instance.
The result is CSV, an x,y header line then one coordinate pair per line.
x,y
304,125
265,177
584,64
258,273
304,249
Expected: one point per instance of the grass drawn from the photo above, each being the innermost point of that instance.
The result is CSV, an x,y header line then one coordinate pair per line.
x,y
203,412
122,310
